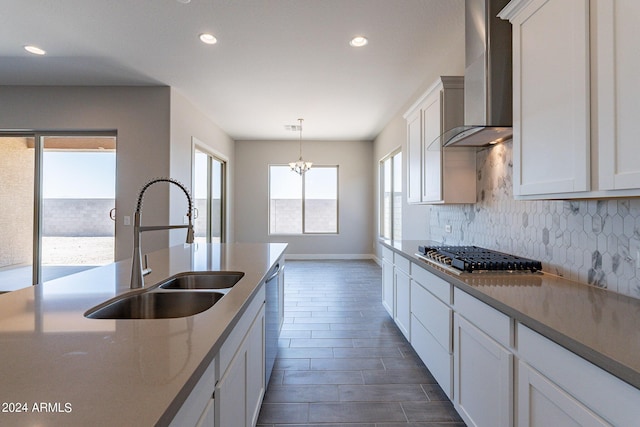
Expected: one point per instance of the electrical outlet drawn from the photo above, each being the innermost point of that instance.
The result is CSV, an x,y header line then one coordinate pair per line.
x,y
127,220
185,219
447,228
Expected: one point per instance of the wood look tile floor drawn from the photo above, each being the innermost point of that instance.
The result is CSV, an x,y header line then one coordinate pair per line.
x,y
342,361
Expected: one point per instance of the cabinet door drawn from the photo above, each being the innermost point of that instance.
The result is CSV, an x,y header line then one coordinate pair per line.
x,y
230,400
387,287
432,150
551,123
240,391
483,377
616,69
414,155
255,348
403,303
541,403
197,408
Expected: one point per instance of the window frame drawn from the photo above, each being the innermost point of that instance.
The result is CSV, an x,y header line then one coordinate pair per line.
x,y
303,200
381,191
212,156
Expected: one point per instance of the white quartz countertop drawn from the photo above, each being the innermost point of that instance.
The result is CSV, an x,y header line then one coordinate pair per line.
x,y
61,369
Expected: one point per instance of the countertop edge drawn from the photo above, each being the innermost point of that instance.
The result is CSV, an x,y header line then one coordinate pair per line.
x,y
612,366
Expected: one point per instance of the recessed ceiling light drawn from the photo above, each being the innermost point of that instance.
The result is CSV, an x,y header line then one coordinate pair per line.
x,y
208,38
358,41
35,50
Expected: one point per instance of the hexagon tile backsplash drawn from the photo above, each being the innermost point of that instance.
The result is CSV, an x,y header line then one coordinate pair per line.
x,y
591,241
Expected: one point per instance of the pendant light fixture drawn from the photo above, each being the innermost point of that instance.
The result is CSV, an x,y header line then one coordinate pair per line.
x,y
300,166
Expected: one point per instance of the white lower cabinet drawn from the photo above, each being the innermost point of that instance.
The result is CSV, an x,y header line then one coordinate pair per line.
x,y
388,287
255,357
554,382
431,328
483,377
471,350
240,391
241,365
541,403
197,409
403,303
230,393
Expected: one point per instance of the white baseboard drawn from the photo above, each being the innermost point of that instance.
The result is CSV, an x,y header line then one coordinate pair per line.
x,y
329,256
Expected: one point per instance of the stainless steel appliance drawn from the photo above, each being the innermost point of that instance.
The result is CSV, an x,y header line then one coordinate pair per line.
x,y
487,78
272,320
473,259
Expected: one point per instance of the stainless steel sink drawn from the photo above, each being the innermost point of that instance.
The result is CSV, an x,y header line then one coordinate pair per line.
x,y
203,280
156,305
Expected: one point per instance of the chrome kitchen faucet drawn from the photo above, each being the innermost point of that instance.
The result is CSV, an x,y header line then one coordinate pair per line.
x,y
137,272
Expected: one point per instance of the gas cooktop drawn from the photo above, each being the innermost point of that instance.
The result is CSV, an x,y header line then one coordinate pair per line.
x,y
476,259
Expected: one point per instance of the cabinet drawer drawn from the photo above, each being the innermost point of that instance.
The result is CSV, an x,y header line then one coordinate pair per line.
x,y
494,323
437,286
613,399
434,315
387,254
435,357
402,263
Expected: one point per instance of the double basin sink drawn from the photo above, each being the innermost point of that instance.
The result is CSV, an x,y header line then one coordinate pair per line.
x,y
182,295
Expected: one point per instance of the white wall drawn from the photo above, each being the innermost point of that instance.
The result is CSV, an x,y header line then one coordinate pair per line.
x,y
355,179
187,122
140,115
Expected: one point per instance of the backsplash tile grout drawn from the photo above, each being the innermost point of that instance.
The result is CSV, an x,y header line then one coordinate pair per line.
x,y
590,241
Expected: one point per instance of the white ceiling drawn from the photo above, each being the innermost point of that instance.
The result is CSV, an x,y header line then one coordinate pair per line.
x,y
275,60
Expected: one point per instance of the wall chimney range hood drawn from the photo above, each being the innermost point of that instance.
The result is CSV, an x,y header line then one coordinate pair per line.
x,y
488,78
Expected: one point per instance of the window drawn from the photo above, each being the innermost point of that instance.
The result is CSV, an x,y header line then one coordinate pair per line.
x,y
390,212
306,204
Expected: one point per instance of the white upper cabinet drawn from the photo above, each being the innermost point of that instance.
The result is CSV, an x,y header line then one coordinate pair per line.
x,y
414,156
617,65
551,97
435,175
575,109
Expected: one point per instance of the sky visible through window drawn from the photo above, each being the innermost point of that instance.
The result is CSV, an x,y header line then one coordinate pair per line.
x,y
79,175
321,183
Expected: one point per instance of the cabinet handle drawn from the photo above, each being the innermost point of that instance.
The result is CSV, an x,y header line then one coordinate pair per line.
x,y
278,268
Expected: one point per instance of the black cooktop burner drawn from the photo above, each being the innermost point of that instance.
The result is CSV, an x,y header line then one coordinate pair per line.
x,y
474,258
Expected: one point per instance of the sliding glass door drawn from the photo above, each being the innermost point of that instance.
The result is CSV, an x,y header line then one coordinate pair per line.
x,y
17,165
57,204
208,187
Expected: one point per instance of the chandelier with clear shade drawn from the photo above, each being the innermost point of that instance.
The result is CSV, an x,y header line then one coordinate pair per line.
x,y
300,166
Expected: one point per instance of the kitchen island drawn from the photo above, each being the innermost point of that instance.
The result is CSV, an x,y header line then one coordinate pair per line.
x,y
61,368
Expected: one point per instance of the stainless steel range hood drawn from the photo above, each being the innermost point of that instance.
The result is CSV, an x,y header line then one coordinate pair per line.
x,y
488,78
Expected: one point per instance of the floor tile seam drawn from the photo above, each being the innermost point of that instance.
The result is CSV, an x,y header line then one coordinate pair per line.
x,y
425,393
404,412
